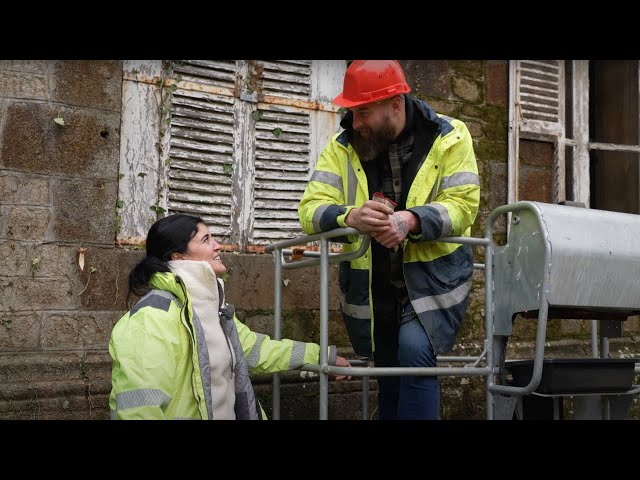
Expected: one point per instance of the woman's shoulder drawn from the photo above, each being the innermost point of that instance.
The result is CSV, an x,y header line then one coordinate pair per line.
x,y
153,310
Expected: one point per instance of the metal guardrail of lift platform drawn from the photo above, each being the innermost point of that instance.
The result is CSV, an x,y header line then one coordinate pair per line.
x,y
550,223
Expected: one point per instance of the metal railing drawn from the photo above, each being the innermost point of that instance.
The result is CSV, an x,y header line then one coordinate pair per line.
x,y
491,366
323,258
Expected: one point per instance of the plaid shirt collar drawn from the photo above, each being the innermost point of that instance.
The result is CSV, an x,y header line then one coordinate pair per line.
x,y
399,154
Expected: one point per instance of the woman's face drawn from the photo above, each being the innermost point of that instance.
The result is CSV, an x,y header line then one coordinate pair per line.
x,y
203,247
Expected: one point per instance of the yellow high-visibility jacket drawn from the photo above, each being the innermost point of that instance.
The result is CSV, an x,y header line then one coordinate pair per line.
x,y
444,194
161,362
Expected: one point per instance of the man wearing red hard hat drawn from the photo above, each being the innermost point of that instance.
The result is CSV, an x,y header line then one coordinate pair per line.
x,y
407,176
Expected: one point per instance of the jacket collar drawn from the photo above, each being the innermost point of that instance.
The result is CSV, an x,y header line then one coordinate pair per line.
x,y
169,282
412,105
172,283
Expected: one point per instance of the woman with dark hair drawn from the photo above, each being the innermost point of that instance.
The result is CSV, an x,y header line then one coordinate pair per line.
x,y
180,352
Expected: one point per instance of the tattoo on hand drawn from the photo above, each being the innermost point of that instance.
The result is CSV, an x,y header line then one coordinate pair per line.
x,y
401,225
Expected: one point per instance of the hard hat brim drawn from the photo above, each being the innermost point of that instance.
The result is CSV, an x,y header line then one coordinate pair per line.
x,y
343,102
346,103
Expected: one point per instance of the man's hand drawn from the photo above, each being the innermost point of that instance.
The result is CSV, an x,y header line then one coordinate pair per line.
x,y
342,362
371,217
401,224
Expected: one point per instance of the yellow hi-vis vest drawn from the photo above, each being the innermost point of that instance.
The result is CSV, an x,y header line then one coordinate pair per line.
x,y
444,194
161,363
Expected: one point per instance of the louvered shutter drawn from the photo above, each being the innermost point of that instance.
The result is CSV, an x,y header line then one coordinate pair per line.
x,y
201,152
536,112
282,150
244,136
541,96
203,144
285,78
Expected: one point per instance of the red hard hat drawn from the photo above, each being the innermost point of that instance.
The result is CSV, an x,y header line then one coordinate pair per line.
x,y
371,80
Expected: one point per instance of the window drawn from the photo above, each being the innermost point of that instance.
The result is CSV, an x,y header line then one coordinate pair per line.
x,y
589,111
232,141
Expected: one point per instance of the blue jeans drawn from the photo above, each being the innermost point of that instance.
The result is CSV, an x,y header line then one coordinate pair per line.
x,y
411,397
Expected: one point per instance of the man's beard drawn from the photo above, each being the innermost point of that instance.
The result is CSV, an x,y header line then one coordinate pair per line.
x,y
377,143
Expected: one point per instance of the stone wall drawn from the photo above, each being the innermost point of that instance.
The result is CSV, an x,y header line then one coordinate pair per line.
x,y
59,147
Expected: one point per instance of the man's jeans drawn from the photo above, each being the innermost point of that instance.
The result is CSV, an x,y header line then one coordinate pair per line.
x,y
411,397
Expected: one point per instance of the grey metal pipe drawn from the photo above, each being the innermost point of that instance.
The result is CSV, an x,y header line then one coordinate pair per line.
x,y
365,397
604,347
399,371
543,306
460,359
594,338
323,368
324,328
292,242
333,258
277,334
468,240
488,314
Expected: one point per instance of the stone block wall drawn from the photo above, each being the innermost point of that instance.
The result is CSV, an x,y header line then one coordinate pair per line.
x,y
59,147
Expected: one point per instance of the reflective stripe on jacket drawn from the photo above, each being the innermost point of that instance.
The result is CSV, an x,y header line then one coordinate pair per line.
x,y
161,363
444,194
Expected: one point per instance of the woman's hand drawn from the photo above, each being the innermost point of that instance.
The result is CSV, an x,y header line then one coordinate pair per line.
x,y
342,362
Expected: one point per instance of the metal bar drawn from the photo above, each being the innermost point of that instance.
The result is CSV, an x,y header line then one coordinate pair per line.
x,y
479,359
594,338
365,397
333,258
323,368
277,333
514,131
483,242
604,347
292,242
543,306
395,371
461,359
488,316
324,328
314,254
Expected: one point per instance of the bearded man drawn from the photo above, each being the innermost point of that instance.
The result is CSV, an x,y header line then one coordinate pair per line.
x,y
404,301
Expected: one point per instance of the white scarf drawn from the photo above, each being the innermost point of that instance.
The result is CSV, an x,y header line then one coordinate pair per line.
x,y
202,286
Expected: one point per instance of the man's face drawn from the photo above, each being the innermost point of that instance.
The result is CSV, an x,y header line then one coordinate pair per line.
x,y
373,129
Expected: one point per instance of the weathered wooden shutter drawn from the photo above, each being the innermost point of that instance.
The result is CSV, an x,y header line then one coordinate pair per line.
x,y
541,97
282,150
202,144
537,112
242,143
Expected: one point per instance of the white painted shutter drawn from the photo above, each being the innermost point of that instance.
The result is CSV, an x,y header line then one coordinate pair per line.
x,y
285,78
537,112
220,73
202,144
282,150
202,153
244,136
541,96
